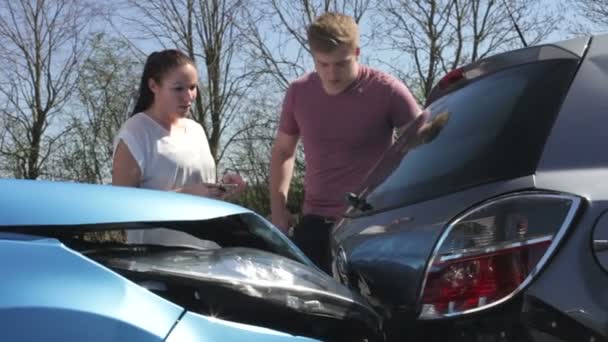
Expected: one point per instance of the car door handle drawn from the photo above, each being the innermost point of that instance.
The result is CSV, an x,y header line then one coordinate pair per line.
x,y
600,245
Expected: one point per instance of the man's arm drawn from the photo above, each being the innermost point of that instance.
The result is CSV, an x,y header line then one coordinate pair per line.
x,y
281,170
403,107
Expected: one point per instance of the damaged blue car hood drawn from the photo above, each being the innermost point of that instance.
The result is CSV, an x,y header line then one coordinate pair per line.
x,y
45,203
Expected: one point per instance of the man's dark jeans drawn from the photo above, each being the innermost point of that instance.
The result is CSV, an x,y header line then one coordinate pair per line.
x,y
312,236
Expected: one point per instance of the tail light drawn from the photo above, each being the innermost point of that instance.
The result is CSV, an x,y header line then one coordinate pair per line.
x,y
491,252
451,78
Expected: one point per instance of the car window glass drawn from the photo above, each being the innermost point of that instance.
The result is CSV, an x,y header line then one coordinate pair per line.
x,y
491,129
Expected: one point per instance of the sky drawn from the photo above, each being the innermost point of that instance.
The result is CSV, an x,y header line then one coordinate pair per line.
x,y
371,54
571,16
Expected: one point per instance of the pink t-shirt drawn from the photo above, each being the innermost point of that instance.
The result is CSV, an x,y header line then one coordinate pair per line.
x,y
344,135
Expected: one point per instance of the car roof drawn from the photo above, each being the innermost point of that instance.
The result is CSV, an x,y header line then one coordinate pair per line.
x,y
48,203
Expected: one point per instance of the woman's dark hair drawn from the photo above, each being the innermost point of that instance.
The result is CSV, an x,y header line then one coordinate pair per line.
x,y
158,64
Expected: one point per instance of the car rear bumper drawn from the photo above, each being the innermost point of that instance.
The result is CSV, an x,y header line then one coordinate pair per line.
x,y
524,319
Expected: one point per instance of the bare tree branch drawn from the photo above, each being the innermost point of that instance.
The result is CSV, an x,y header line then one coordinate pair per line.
x,y
440,35
595,11
42,41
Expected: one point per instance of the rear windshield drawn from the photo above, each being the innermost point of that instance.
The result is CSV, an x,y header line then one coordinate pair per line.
x,y
491,129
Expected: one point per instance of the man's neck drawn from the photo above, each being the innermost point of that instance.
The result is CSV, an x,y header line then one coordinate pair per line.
x,y
350,85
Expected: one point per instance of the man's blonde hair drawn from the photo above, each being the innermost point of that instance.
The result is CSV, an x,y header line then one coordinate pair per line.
x,y
332,30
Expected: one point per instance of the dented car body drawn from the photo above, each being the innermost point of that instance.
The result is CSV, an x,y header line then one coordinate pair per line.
x,y
225,273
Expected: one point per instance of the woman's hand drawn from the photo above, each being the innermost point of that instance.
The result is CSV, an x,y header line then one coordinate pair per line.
x,y
204,190
233,185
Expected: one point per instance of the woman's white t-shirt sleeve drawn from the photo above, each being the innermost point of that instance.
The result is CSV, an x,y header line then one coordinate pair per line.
x,y
133,144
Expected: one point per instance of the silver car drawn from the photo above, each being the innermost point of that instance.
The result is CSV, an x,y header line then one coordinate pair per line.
x,y
486,220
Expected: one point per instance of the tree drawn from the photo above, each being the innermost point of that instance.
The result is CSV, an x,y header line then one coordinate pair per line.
x,y
251,155
594,12
42,42
106,92
284,54
440,35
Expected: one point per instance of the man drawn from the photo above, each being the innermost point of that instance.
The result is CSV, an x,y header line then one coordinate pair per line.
x,y
345,114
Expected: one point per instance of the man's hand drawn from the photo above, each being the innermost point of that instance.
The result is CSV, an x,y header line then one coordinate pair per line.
x,y
283,219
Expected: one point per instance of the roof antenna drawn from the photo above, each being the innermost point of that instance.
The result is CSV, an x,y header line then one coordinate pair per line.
x,y
521,36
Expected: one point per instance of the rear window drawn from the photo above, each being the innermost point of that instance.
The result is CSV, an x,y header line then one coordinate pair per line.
x,y
492,129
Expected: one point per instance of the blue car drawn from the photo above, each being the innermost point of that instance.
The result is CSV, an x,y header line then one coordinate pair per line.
x,y
225,273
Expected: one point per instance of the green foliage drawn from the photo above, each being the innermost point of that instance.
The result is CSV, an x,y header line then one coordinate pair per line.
x,y
105,91
256,197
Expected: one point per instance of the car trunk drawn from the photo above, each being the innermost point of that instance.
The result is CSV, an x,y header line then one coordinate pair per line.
x,y
481,135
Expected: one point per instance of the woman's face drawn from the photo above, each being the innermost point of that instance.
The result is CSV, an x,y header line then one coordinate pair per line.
x,y
176,92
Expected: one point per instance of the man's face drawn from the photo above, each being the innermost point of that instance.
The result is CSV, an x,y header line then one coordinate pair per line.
x,y
337,69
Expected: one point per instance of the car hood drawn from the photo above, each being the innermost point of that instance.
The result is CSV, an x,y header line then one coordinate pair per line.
x,y
45,203
219,254
63,210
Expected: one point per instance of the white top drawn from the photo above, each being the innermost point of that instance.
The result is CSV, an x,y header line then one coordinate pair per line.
x,y
167,161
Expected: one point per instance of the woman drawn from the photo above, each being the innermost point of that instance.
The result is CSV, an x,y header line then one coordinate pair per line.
x,y
158,147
